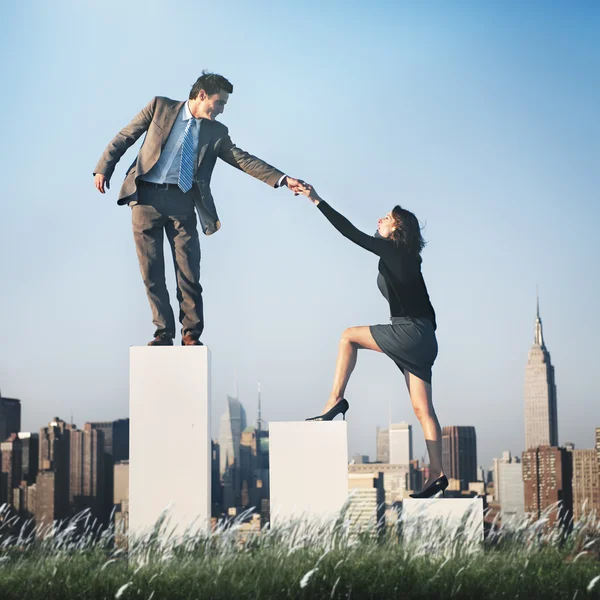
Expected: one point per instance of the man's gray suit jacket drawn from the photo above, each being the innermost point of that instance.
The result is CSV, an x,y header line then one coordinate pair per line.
x,y
157,119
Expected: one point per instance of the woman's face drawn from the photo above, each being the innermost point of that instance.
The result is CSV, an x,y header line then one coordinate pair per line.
x,y
386,225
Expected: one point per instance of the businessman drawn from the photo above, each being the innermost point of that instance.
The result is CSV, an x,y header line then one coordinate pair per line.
x,y
167,183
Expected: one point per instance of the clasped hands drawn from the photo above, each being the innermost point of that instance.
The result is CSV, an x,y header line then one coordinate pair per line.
x,y
301,187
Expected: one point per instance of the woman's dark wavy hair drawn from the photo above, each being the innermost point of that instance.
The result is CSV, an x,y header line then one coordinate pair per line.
x,y
408,231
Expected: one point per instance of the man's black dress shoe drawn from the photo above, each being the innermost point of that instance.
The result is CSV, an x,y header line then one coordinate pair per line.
x,y
161,340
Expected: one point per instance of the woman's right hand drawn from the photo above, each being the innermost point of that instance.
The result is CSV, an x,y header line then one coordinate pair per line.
x,y
310,192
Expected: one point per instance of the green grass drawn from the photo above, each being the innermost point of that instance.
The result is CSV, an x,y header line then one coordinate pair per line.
x,y
296,561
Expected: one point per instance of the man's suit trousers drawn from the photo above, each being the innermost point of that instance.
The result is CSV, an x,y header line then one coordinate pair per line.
x,y
171,211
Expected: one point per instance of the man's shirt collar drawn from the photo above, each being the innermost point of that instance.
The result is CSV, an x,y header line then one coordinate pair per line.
x,y
187,113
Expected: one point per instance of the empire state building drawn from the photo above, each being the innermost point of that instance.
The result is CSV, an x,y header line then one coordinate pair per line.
x,y
541,423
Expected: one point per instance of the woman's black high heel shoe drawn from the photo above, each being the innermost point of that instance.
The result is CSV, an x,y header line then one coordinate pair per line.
x,y
439,485
341,407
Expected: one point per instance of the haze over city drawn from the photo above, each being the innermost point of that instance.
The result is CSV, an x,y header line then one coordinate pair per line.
x,y
482,122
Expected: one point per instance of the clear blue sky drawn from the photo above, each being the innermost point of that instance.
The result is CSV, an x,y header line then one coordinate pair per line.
x,y
481,117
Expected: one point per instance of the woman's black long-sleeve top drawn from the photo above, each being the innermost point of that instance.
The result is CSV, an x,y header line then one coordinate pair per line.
x,y
400,279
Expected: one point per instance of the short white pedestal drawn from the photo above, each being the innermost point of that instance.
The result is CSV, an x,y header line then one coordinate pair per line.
x,y
308,470
170,453
441,523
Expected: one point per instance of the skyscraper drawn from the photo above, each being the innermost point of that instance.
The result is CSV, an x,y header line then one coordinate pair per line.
x,y
505,458
233,422
541,421
586,483
10,473
24,500
52,481
30,454
215,478
86,470
254,478
383,445
116,438
547,479
459,454
259,422
254,464
262,473
120,495
481,474
598,445
120,491
510,486
401,446
116,449
10,417
50,503
417,476
53,440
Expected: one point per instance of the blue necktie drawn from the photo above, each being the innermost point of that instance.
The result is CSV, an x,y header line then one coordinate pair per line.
x,y
186,168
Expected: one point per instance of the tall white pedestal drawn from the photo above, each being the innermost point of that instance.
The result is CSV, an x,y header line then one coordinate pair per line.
x,y
308,469
442,523
170,450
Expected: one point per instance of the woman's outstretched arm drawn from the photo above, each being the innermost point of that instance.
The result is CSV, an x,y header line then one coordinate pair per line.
x,y
368,242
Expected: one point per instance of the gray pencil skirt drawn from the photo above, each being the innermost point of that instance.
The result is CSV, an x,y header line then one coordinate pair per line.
x,y
410,342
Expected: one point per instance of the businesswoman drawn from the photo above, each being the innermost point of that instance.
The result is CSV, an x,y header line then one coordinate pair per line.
x,y
409,340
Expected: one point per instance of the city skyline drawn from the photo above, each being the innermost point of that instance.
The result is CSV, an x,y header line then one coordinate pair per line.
x,y
74,463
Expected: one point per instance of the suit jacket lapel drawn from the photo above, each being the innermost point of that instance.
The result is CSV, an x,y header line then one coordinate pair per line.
x,y
204,140
168,121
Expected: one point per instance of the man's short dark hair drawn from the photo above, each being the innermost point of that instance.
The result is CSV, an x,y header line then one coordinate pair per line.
x,y
211,83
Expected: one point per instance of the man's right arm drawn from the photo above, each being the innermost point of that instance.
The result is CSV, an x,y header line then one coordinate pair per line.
x,y
123,140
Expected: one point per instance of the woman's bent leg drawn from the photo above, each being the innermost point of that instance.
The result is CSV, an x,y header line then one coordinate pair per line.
x,y
421,398
352,340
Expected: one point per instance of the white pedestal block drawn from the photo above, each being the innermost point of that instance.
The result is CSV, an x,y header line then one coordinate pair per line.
x,y
441,522
308,469
170,450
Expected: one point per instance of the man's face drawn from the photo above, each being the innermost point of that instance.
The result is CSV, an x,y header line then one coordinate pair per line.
x,y
213,106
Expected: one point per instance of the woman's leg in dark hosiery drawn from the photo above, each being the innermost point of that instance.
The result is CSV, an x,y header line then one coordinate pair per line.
x,y
421,398
352,340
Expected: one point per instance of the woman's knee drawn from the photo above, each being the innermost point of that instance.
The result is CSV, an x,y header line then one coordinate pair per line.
x,y
423,412
347,336
418,412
